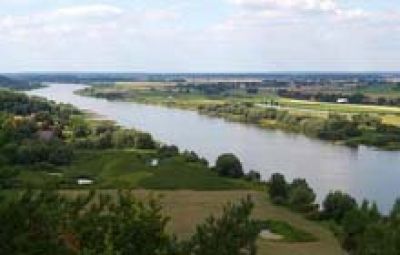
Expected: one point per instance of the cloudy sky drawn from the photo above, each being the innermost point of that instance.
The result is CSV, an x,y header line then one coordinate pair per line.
x,y
199,35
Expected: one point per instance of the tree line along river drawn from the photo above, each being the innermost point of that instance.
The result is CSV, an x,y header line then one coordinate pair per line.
x,y
364,172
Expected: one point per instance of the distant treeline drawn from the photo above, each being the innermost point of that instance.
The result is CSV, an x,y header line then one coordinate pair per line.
x,y
353,98
16,84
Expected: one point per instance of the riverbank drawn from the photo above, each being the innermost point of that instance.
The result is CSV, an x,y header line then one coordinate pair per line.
x,y
351,125
360,172
63,151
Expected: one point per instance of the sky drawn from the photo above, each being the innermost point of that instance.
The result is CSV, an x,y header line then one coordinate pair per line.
x,y
199,35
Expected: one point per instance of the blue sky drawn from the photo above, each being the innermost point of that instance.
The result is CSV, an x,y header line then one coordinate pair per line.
x,y
199,36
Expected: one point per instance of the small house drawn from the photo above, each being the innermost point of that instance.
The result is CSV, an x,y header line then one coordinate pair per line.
x,y
342,100
84,181
154,162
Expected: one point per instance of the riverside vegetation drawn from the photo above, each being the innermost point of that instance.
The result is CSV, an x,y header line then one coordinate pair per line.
x,y
361,229
352,125
49,147
46,148
41,138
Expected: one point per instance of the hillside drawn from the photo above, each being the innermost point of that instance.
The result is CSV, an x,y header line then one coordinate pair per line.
x,y
6,82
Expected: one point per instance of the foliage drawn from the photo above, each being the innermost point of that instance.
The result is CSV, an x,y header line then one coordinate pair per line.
x,y
45,222
337,204
166,151
229,165
301,197
231,234
360,229
278,188
253,175
144,141
359,129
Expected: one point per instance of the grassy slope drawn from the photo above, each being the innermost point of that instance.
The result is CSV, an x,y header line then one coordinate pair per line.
x,y
190,194
187,208
122,169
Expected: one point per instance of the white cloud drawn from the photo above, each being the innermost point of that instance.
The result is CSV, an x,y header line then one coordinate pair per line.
x,y
255,35
87,10
63,17
305,5
306,8
83,20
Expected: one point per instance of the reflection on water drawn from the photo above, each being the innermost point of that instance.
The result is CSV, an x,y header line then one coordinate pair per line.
x,y
363,172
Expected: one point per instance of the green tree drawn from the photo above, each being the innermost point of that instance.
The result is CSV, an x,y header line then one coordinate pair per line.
x,y
229,165
301,197
278,188
234,233
166,151
47,223
144,141
395,212
354,224
337,204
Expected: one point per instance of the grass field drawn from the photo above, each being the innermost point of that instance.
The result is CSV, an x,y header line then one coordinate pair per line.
x,y
388,114
341,108
124,169
189,193
187,208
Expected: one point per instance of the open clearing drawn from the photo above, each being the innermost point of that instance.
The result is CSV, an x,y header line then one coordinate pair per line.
x,y
131,169
187,208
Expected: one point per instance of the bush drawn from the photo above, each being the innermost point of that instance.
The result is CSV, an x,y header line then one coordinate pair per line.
x,y
60,155
144,141
167,151
278,189
229,165
253,176
337,204
38,222
234,233
301,197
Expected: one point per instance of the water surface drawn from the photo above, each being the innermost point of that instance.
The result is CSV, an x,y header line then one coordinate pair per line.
x,y
364,172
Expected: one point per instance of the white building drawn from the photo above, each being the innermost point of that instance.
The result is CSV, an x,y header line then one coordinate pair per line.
x,y
154,162
84,181
342,100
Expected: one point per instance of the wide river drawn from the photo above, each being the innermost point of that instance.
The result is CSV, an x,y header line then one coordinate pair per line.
x,y
364,172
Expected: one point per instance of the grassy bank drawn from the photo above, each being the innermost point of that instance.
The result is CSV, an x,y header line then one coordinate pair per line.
x,y
350,124
128,169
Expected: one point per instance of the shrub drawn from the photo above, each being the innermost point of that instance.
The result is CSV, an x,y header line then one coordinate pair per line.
x,y
278,189
301,197
144,141
167,151
253,176
337,204
229,165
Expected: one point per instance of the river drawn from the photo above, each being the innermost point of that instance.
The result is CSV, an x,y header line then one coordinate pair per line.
x,y
363,172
